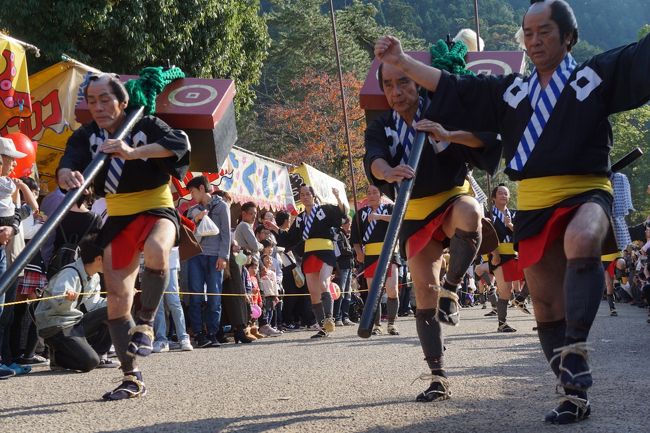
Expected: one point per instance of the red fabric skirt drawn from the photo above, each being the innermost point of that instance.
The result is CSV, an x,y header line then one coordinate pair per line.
x,y
611,268
512,271
312,264
531,250
369,271
432,230
131,240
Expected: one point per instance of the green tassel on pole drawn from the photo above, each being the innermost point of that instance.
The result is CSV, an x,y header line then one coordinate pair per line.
x,y
144,90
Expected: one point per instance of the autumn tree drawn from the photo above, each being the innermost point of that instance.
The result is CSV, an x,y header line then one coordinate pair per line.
x,y
310,129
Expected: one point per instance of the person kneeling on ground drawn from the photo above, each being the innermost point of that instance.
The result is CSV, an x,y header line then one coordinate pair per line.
x,y
74,326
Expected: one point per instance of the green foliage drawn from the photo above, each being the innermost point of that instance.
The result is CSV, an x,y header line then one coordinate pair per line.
x,y
205,38
603,23
434,19
632,129
301,31
645,30
583,51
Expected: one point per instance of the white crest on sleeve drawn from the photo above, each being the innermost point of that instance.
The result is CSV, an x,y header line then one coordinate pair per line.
x,y
391,133
586,81
95,142
516,92
139,139
438,146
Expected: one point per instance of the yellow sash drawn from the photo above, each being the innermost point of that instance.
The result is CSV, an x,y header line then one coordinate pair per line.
x,y
610,257
419,208
543,192
373,249
506,248
318,244
131,203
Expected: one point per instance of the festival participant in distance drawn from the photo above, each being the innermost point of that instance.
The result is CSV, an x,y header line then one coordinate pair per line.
x,y
141,214
373,220
503,260
440,213
314,227
556,141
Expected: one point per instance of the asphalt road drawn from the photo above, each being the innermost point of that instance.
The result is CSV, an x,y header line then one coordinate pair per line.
x,y
500,383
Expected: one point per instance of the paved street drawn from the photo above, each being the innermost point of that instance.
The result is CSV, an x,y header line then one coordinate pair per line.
x,y
501,383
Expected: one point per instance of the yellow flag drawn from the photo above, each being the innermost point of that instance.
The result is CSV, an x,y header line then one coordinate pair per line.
x,y
14,84
54,94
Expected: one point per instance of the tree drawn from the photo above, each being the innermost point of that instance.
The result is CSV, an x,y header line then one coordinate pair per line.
x,y
301,31
632,129
645,30
311,129
205,38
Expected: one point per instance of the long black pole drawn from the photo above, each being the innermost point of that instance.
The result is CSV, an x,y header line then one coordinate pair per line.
x,y
478,48
344,105
478,27
403,196
70,198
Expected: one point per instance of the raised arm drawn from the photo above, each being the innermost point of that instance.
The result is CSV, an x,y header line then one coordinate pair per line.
x,y
388,49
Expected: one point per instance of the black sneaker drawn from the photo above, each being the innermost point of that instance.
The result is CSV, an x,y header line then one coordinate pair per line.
x,y
613,312
132,386
504,327
33,360
214,341
320,334
574,367
571,409
203,341
492,313
438,389
447,312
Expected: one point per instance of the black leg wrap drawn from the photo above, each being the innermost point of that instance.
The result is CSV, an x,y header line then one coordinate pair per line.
x,y
378,315
551,336
153,284
392,305
119,330
328,303
610,302
430,335
583,287
502,310
462,251
319,312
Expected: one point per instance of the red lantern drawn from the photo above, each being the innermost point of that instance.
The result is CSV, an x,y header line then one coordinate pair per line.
x,y
28,147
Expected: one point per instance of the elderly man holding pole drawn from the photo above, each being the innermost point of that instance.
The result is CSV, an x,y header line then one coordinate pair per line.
x,y
556,141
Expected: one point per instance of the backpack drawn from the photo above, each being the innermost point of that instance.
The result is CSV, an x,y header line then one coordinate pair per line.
x,y
69,251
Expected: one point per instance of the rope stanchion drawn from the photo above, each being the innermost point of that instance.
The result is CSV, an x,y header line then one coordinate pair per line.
x,y
285,295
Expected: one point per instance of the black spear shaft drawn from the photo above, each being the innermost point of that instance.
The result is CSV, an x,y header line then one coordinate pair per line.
x,y
70,198
403,196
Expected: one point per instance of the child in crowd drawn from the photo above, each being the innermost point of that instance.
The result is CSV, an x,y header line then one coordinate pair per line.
x,y
255,297
269,288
